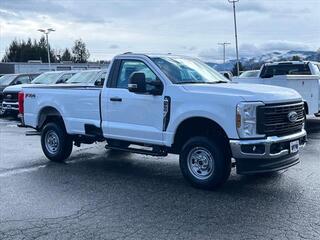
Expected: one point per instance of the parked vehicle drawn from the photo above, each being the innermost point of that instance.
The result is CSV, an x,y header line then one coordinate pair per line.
x,y
249,74
172,104
13,79
89,77
10,94
302,76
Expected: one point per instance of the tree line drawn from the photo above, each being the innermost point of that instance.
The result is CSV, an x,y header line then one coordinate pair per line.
x,y
23,51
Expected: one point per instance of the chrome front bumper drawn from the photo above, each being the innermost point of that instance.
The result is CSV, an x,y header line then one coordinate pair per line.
x,y
266,155
237,145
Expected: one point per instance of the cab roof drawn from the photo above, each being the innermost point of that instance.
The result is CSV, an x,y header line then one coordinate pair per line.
x,y
287,62
151,55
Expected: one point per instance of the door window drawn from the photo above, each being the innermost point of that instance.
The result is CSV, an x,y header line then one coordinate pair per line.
x,y
131,66
22,80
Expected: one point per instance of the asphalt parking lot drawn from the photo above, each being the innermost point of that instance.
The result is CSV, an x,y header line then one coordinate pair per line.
x,y
104,195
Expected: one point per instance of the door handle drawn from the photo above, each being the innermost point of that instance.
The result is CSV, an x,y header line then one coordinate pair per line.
x,y
116,99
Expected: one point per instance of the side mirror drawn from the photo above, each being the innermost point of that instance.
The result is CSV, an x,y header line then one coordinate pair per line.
x,y
60,81
137,83
17,82
99,82
267,75
227,75
157,87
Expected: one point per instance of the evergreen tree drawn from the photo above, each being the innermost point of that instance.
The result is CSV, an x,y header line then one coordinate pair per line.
x,y
80,52
11,54
23,51
66,56
296,58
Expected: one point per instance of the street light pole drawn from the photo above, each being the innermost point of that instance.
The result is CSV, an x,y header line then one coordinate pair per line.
x,y
224,50
235,31
46,32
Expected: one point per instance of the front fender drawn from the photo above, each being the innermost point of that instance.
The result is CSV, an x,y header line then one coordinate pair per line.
x,y
223,117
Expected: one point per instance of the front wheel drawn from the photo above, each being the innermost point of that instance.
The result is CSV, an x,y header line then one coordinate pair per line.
x,y
56,143
205,163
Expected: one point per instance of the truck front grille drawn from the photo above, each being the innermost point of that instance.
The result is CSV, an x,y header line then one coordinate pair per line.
x,y
10,97
274,120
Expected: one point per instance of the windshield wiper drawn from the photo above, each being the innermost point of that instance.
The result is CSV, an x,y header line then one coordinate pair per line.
x,y
186,82
193,82
217,82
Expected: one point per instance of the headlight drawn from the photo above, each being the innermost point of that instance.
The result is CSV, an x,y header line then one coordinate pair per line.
x,y
246,119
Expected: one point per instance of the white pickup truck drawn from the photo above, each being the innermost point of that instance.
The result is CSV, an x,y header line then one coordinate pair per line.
x,y
302,76
160,104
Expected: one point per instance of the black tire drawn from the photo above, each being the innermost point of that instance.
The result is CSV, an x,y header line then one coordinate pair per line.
x,y
198,151
56,133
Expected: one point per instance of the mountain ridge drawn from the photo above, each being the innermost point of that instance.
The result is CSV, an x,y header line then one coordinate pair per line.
x,y
274,56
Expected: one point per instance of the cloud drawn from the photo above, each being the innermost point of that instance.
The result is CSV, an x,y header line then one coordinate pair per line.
x,y
66,10
245,6
189,27
32,6
284,45
114,46
249,50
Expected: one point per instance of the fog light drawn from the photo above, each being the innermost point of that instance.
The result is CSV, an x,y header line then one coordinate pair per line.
x,y
253,148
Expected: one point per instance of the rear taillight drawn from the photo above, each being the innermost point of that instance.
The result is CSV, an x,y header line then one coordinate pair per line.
x,y
21,102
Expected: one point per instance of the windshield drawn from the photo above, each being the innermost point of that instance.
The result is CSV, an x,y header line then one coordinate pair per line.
x,y
6,79
248,74
84,77
186,70
46,78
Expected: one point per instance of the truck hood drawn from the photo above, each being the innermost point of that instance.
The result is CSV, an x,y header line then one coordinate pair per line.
x,y
249,92
16,88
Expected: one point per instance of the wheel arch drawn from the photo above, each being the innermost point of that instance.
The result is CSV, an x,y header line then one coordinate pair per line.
x,y
198,126
48,114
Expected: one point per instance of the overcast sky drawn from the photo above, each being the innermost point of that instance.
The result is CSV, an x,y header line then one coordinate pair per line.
x,y
191,27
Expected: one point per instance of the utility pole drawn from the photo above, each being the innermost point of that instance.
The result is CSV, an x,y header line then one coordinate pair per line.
x,y
235,31
46,32
224,50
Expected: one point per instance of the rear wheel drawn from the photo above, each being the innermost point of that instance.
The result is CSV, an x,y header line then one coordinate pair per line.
x,y
205,163
56,143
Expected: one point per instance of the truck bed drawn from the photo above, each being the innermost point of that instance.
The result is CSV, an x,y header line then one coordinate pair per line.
x,y
78,105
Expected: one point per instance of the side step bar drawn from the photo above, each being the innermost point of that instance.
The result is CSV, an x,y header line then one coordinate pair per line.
x,y
156,151
33,133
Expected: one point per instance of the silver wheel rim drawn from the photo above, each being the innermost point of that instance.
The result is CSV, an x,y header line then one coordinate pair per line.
x,y
52,142
200,163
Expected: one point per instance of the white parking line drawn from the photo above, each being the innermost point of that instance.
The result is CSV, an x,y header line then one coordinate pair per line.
x,y
11,172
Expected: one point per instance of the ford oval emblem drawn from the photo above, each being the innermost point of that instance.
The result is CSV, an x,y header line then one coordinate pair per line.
x,y
292,116
9,96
